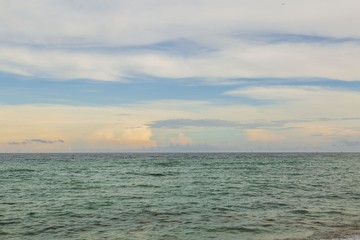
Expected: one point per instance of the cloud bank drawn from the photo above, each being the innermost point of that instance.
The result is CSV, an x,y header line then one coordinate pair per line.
x,y
113,40
36,140
189,74
183,123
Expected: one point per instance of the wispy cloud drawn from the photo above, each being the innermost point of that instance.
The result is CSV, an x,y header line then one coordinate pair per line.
x,y
36,140
351,143
90,39
255,72
84,21
237,60
183,123
278,38
293,93
219,123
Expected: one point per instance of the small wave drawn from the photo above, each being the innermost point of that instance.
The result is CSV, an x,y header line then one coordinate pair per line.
x,y
159,213
235,229
146,186
154,174
333,212
344,233
9,203
19,170
3,233
222,209
357,237
300,211
46,229
8,222
160,174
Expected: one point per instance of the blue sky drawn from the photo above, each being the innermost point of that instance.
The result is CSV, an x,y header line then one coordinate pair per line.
x,y
179,75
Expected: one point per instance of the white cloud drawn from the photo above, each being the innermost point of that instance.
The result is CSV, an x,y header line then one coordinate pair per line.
x,y
305,118
181,139
58,64
243,60
261,135
327,130
134,137
60,30
303,94
140,21
304,102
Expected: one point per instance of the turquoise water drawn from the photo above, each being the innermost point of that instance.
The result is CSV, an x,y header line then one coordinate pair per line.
x,y
180,196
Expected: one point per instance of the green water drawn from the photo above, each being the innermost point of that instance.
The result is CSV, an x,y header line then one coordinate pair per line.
x,y
180,196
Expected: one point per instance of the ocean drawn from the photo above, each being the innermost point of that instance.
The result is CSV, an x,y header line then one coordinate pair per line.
x,y
255,196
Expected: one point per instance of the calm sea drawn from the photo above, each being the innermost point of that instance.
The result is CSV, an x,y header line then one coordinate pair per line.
x,y
180,196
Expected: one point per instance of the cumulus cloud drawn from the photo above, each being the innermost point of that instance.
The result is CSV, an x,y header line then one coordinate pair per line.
x,y
137,137
181,139
329,131
185,148
312,120
261,135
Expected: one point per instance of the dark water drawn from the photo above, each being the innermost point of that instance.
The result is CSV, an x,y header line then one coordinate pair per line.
x,y
180,196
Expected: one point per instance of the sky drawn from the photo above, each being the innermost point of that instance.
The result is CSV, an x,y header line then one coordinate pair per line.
x,y
174,76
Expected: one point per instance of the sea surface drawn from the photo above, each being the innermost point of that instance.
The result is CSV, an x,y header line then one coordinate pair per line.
x,y
174,196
